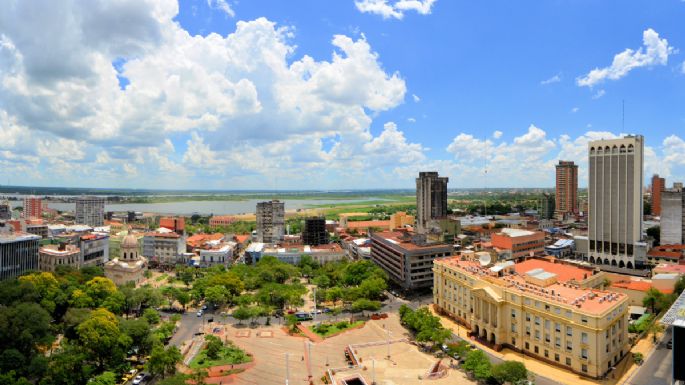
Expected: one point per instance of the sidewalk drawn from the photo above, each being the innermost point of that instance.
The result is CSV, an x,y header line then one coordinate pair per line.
x,y
623,370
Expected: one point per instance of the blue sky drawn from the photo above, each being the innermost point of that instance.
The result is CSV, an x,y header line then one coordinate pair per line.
x,y
333,94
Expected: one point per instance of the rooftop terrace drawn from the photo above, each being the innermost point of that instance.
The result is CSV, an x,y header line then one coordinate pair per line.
x,y
564,290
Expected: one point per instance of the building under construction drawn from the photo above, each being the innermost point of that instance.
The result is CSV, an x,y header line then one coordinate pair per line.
x,y
314,232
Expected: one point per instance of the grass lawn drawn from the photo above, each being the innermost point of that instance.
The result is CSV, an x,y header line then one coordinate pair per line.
x,y
229,355
162,277
327,330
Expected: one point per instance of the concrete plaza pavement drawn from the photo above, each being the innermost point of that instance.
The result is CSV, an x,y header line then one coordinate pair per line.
x,y
270,354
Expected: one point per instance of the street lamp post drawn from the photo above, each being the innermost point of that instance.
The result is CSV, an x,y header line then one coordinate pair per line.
x,y
287,369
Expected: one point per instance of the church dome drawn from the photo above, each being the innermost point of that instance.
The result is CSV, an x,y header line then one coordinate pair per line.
x,y
129,242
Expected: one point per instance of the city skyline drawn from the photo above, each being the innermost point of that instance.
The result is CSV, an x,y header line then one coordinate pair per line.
x,y
351,94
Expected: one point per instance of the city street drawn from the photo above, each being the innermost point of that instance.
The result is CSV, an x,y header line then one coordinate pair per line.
x,y
658,368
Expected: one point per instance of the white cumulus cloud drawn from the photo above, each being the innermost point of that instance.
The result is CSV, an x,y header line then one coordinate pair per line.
x,y
554,79
655,51
394,8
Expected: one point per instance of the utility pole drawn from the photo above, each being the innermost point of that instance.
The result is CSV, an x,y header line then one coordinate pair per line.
x,y
373,371
287,370
314,315
309,359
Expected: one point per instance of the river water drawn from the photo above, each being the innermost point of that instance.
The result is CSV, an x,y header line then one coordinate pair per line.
x,y
205,207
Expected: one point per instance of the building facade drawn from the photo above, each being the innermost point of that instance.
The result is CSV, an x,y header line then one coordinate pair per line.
x,y
431,199
566,188
615,202
544,309
94,249
314,232
175,224
672,229
658,185
547,206
90,210
406,257
516,243
5,210
270,221
18,254
163,248
33,207
51,256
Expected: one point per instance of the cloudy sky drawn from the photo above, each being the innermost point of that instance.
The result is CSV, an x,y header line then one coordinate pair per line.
x,y
311,94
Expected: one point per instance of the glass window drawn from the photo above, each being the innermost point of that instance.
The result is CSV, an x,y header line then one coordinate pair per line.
x,y
513,313
583,338
537,334
568,361
557,327
537,320
569,331
584,368
583,353
556,357
547,324
557,341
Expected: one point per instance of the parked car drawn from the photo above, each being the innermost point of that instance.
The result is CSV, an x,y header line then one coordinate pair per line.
x,y
204,307
327,310
302,316
140,378
199,313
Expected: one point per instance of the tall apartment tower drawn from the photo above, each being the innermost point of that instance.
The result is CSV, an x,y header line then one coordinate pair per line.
x,y
615,201
33,207
672,216
658,185
90,211
431,198
315,232
567,188
270,221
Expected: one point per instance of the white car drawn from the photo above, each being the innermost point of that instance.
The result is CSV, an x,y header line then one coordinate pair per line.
x,y
199,313
139,379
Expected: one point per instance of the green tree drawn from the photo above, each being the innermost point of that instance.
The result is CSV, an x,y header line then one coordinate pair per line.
x,y
477,363
218,295
139,332
106,378
177,379
291,321
198,376
100,335
183,298
99,288
652,299
363,304
242,313
372,288
213,346
163,361
25,327
510,371
151,316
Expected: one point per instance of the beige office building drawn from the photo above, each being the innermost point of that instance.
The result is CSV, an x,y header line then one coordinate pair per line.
x,y
615,202
544,308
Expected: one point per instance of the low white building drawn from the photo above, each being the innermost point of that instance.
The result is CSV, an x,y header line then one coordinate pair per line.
x,y
219,253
